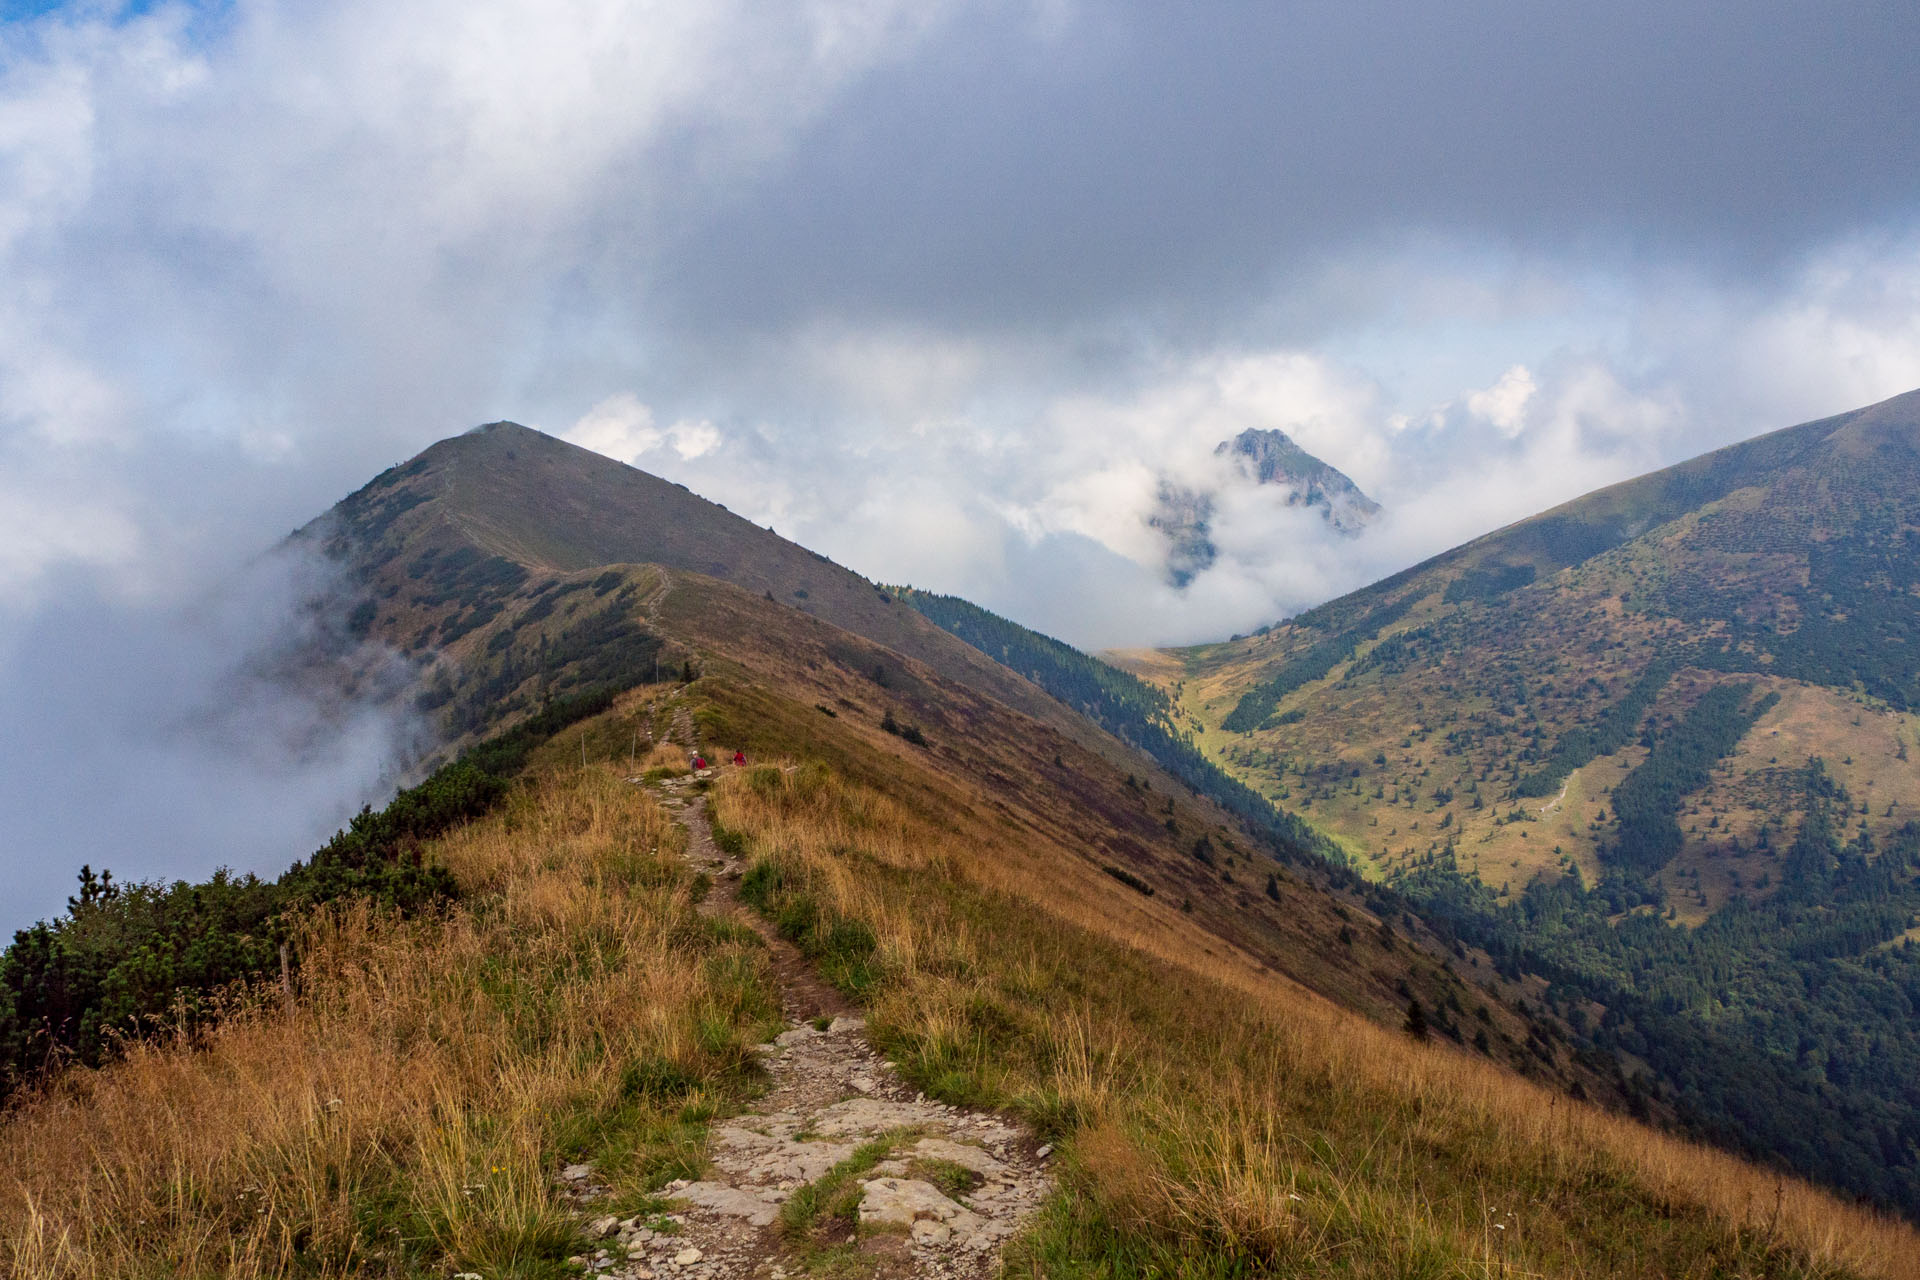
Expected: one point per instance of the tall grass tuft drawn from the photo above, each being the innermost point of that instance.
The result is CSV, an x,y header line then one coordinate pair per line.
x,y
409,1108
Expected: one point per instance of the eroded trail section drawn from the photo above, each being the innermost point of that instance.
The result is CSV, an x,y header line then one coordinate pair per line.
x,y
840,1166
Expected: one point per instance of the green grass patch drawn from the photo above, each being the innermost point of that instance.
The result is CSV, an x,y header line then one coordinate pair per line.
x,y
952,1178
844,949
826,1212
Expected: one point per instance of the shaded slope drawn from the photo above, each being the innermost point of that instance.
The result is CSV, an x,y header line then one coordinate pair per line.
x,y
1022,790
1131,709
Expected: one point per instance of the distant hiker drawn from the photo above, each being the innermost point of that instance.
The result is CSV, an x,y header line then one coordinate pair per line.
x,y
739,757
699,763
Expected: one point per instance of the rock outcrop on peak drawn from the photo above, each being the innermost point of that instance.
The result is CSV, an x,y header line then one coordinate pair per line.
x,y
1262,458
1269,457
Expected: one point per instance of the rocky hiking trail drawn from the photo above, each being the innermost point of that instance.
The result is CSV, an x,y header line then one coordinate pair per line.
x,y
939,1189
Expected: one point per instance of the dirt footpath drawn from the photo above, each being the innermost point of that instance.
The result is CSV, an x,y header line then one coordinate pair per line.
x,y
938,1189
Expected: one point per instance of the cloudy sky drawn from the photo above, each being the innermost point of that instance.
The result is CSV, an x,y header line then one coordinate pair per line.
x,y
941,290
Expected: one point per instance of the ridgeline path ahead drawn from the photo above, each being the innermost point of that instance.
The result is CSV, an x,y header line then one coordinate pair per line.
x,y
939,1189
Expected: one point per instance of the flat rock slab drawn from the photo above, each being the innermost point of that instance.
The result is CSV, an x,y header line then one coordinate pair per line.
x,y
717,1197
977,1159
868,1117
901,1202
774,1158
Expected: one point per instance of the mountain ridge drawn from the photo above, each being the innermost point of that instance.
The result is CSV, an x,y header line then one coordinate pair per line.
x,y
1672,718
537,503
554,543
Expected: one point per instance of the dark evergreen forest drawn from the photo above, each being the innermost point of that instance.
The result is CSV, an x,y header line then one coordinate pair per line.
x,y
1786,1027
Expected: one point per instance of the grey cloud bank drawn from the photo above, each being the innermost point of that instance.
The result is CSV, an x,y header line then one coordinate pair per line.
x,y
935,289
161,740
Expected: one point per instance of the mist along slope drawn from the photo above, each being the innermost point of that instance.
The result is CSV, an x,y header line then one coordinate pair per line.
x,y
1657,744
1029,925
438,548
511,568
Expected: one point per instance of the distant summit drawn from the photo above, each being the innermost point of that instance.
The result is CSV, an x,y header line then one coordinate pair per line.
x,y
1271,457
1261,458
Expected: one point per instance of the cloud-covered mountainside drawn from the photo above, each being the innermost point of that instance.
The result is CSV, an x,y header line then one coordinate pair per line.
x,y
1268,460
1658,744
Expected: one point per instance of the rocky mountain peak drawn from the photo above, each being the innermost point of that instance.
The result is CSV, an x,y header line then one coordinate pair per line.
x,y
1262,457
1270,457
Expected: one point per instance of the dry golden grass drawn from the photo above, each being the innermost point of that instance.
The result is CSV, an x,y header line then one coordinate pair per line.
x,y
1216,1114
408,1109
666,760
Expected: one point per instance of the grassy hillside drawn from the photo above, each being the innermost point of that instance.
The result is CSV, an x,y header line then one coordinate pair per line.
x,y
1221,1122
1081,815
128,961
406,1111
1789,558
484,558
1598,725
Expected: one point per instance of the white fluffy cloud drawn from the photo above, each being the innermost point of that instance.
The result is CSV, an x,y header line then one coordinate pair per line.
x,y
1504,404
276,246
977,495
301,235
621,427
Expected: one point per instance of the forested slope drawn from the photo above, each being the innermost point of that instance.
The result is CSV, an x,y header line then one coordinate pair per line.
x,y
1125,706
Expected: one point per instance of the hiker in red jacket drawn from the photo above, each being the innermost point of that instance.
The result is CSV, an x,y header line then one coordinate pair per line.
x,y
739,757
